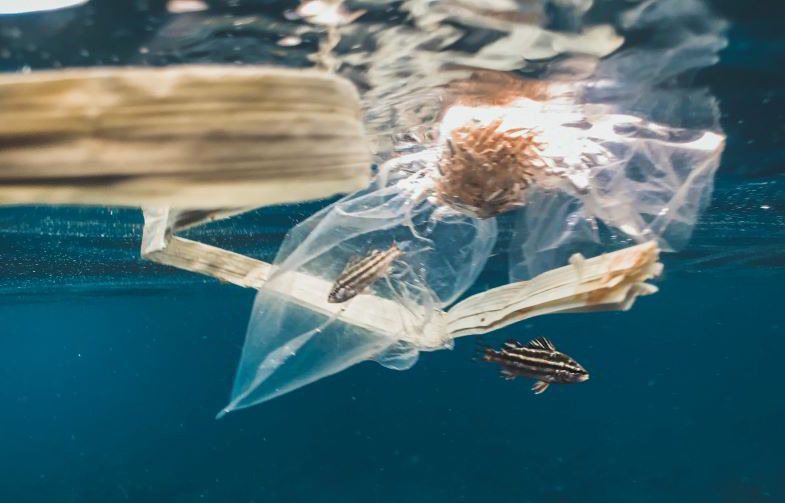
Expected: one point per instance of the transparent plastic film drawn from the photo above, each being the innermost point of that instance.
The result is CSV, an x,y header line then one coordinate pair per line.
x,y
428,256
607,120
614,179
594,154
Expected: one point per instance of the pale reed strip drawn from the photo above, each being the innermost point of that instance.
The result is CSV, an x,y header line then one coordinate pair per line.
x,y
212,261
607,282
228,190
189,136
369,312
274,159
285,120
89,88
377,314
159,244
611,281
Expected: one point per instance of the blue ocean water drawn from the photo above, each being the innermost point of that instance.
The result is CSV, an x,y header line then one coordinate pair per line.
x,y
113,398
112,369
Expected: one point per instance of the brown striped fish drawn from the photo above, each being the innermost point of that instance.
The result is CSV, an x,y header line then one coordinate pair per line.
x,y
360,272
538,360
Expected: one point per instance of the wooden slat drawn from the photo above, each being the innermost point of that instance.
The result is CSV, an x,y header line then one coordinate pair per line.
x,y
187,136
607,282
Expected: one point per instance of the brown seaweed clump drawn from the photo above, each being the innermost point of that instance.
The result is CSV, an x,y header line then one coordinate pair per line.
x,y
484,171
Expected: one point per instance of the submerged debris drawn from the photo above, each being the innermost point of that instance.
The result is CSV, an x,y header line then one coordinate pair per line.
x,y
539,360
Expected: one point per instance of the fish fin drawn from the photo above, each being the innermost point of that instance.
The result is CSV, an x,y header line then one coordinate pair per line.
x,y
539,387
512,344
507,375
542,343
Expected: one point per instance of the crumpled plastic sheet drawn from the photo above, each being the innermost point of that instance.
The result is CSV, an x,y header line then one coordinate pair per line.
x,y
289,346
658,137
636,181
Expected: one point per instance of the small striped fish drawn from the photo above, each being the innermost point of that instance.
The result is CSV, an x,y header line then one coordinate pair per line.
x,y
361,272
538,360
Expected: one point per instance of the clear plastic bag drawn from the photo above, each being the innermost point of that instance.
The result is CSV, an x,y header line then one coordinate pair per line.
x,y
651,144
643,181
290,344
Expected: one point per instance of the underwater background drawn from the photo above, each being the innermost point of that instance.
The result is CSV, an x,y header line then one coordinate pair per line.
x,y
112,368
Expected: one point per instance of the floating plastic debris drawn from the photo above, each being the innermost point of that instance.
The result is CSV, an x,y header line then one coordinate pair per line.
x,y
596,150
443,252
479,109
296,337
576,170
593,154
